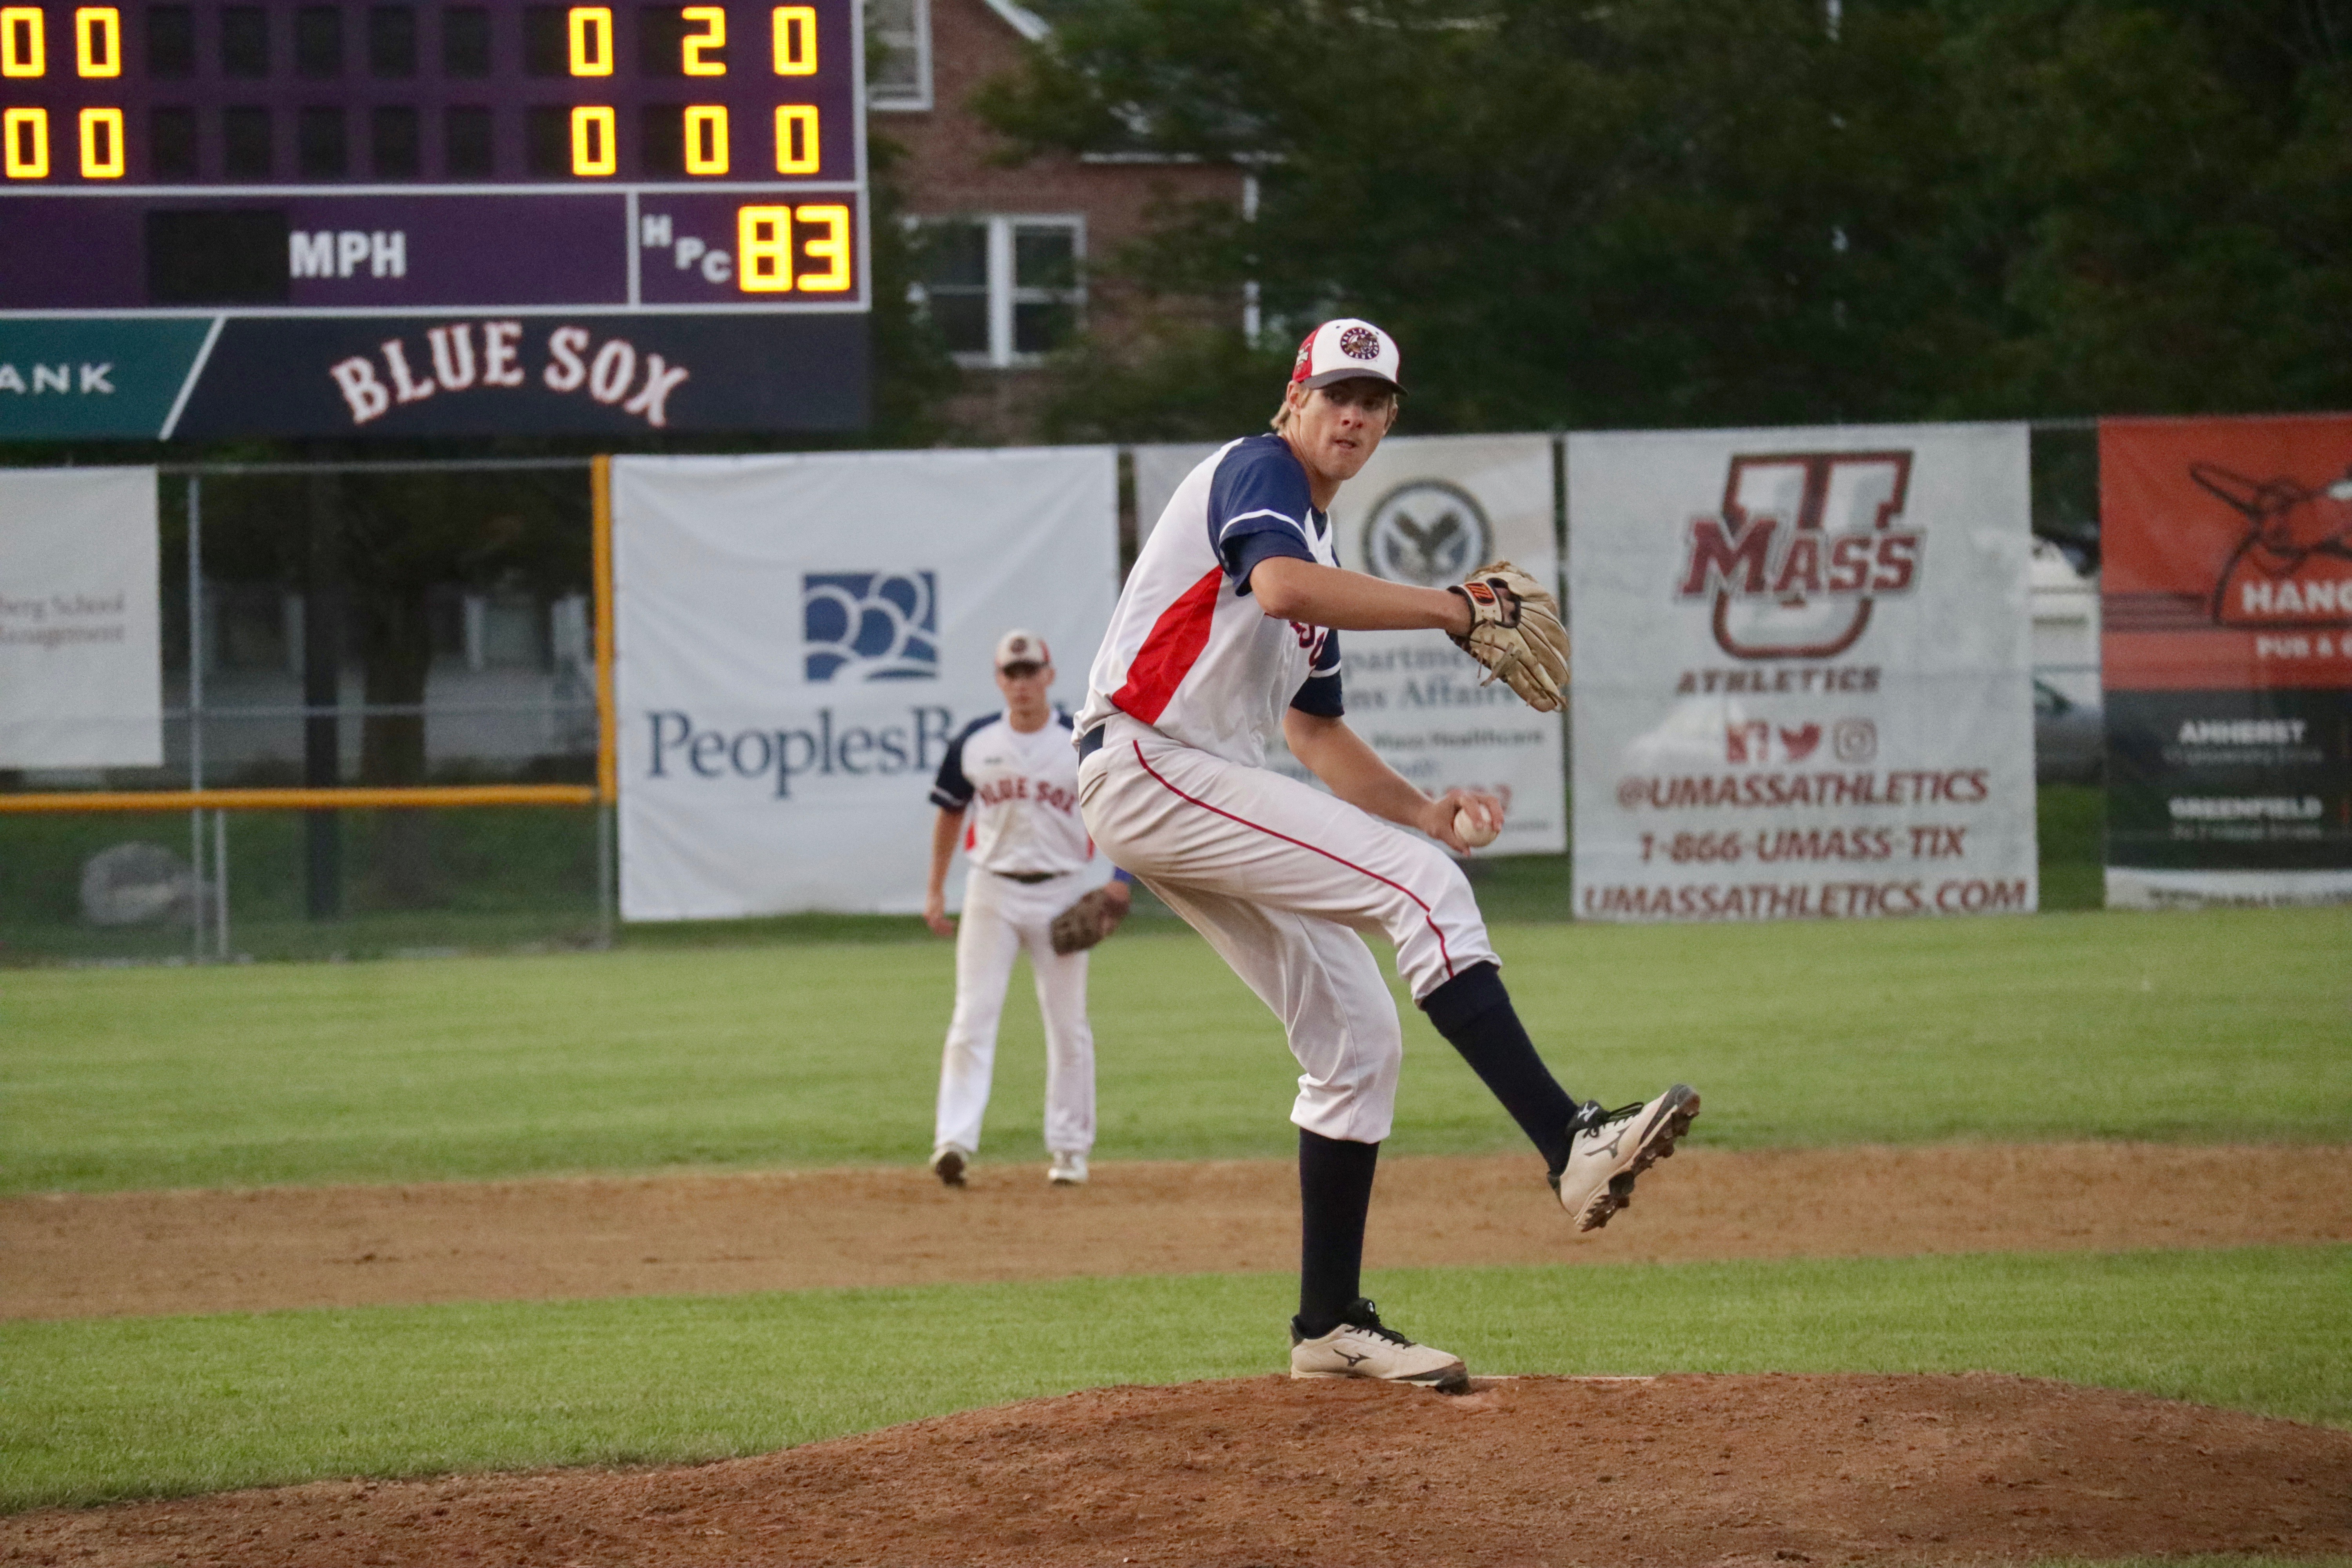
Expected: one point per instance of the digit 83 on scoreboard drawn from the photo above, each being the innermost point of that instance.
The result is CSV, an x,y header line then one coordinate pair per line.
x,y
293,177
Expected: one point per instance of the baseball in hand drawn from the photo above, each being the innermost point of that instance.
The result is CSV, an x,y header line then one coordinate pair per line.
x,y
1472,828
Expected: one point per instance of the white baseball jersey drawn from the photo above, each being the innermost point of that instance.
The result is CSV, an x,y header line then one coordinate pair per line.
x,y
1023,791
1189,652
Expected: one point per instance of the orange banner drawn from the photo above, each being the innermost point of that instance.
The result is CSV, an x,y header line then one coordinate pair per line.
x,y
2226,549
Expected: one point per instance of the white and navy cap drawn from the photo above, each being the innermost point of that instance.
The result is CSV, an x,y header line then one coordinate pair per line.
x,y
1017,647
1338,351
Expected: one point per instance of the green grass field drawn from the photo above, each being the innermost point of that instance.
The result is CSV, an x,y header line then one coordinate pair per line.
x,y
2234,1025
2222,1027
120,1407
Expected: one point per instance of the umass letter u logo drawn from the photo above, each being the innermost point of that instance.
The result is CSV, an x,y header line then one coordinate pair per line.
x,y
1805,544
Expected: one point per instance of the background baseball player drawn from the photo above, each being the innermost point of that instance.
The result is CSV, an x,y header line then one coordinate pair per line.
x,y
1226,630
1008,788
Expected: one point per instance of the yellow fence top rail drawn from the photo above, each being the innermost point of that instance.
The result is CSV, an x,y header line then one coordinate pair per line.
x,y
353,798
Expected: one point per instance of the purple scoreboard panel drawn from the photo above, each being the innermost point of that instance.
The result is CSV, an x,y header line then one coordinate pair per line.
x,y
427,219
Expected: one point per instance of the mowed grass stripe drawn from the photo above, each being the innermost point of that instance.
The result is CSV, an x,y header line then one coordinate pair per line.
x,y
112,1408
2229,1027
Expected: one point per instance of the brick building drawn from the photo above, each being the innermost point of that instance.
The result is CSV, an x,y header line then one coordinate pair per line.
x,y
1011,255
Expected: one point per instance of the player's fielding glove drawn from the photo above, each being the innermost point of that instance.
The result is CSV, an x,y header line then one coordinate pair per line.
x,y
1093,917
1515,633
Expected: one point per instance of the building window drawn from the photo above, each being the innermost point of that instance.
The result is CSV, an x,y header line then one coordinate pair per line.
x,y
899,54
1001,290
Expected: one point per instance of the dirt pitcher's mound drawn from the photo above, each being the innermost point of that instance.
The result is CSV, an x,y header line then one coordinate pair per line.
x,y
1682,1469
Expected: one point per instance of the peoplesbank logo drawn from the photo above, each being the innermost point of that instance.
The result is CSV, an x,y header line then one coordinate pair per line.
x,y
870,626
1806,544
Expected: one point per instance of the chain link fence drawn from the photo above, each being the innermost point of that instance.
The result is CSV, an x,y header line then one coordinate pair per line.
x,y
379,626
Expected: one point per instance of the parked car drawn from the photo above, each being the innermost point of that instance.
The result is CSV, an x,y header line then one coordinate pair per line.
x,y
2070,738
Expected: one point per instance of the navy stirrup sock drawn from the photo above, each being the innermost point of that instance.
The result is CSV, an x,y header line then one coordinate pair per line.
x,y
1475,1014
1334,1194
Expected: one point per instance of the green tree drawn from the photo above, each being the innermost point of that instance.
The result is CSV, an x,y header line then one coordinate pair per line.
x,y
1678,212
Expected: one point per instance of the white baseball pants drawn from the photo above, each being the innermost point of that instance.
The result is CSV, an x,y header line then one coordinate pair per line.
x,y
1279,877
1000,918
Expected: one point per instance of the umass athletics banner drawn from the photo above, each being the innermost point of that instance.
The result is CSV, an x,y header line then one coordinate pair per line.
x,y
801,636
2226,604
1801,672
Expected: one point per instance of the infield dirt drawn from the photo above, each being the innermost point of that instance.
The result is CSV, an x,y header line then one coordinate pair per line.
x,y
1671,1470
80,1255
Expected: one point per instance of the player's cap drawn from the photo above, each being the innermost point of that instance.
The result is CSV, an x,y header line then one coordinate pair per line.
x,y
1340,350
1017,647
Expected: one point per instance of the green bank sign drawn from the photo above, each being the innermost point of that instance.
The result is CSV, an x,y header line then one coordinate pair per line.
x,y
64,379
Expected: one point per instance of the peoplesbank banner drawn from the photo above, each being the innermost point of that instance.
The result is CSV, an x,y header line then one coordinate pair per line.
x,y
2226,603
799,639
1801,672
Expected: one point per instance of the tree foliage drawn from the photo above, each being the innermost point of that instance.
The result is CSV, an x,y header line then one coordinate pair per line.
x,y
1681,212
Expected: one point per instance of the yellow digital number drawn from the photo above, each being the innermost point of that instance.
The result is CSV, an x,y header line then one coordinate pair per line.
x,y
26,135
796,40
591,40
101,143
763,249
592,148
97,40
24,41
712,36
705,139
796,141
833,247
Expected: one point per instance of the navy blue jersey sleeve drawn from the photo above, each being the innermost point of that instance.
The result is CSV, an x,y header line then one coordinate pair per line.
x,y
951,791
1319,693
1259,507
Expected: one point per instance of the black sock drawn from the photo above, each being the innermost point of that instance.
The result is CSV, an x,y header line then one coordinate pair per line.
x,y
1475,1014
1335,1192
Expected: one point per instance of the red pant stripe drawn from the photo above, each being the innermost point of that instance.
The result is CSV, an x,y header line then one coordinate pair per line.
x,y
1426,913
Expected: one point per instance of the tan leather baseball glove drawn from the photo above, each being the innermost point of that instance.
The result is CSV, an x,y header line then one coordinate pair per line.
x,y
1515,633
1093,917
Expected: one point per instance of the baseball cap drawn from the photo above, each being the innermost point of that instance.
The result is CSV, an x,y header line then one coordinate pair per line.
x,y
1017,647
1339,350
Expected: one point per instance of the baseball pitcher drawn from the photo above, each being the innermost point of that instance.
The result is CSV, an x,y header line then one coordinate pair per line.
x,y
1228,630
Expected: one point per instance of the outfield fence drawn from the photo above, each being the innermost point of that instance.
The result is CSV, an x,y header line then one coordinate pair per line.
x,y
387,717
384,689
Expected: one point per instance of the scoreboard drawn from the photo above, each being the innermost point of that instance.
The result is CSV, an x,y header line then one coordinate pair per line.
x,y
421,218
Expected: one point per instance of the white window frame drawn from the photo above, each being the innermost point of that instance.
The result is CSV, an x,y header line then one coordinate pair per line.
x,y
1003,291
918,99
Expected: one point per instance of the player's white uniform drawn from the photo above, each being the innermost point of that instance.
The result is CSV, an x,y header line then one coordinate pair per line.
x,y
1191,679
1026,845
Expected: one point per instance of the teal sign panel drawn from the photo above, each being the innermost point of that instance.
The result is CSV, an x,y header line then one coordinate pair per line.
x,y
75,378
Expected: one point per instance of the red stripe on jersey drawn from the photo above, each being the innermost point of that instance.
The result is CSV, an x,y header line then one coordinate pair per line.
x,y
1170,650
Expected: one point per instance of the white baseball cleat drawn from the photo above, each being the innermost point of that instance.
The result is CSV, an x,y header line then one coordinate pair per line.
x,y
1069,1170
1609,1147
1361,1347
949,1162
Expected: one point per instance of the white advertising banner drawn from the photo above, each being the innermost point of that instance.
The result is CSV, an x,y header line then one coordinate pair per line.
x,y
81,680
1426,510
1801,672
801,636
